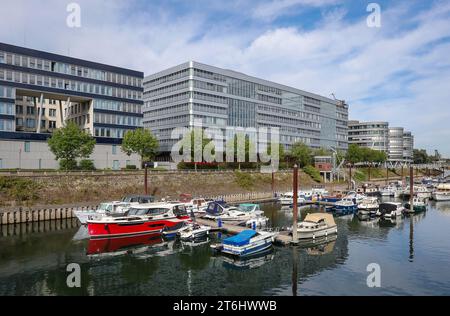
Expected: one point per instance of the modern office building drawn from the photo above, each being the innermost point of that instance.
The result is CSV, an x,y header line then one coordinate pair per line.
x,y
191,92
397,143
40,92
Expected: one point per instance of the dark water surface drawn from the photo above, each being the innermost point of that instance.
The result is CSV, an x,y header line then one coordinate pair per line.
x,y
413,254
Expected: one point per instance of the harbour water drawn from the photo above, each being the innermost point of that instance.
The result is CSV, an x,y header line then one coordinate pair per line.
x,y
413,254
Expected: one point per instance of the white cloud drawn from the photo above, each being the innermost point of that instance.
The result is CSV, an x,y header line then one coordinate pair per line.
x,y
393,73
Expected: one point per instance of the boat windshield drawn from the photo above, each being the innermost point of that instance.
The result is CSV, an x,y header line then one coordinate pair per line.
x,y
105,207
247,208
147,211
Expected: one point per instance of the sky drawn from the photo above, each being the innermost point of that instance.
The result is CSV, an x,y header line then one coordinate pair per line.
x,y
398,72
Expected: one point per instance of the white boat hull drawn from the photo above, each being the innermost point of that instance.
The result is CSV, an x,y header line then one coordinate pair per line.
x,y
253,247
83,216
313,234
441,197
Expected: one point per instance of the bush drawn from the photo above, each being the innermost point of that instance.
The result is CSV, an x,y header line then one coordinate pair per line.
x,y
68,164
87,165
313,173
131,167
244,180
19,189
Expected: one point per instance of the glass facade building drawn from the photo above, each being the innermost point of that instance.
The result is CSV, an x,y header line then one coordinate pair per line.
x,y
40,91
193,92
397,143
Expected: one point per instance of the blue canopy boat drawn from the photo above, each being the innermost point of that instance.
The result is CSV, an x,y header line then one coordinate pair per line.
x,y
247,242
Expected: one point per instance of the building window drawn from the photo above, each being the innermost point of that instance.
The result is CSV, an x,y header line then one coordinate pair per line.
x,y
114,149
31,123
116,165
52,124
27,147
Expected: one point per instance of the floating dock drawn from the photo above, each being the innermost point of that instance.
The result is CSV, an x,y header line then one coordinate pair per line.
x,y
283,238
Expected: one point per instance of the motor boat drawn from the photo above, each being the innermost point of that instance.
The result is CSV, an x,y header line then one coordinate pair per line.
x,y
251,208
419,206
287,198
221,210
115,208
137,199
316,225
193,231
140,219
390,209
246,243
197,205
388,191
442,192
346,206
368,206
257,222
330,198
420,191
357,197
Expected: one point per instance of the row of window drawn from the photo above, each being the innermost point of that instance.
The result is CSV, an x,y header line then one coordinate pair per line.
x,y
311,100
6,108
311,108
209,109
73,70
167,110
110,132
209,86
295,139
210,120
209,97
241,113
173,76
167,89
72,85
209,75
104,118
169,99
117,106
290,113
176,120
285,120
31,123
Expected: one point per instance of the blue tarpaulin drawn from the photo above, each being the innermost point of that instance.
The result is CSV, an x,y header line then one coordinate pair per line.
x,y
241,239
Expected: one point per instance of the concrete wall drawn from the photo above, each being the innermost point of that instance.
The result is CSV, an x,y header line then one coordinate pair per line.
x,y
13,156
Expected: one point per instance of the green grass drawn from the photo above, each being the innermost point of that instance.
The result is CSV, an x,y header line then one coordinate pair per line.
x,y
243,180
313,173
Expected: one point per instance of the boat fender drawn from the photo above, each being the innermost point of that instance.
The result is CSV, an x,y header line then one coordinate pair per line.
x,y
326,234
314,236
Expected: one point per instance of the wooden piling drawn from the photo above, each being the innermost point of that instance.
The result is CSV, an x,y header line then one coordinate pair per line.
x,y
295,205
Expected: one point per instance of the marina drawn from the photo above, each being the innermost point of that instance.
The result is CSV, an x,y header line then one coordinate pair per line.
x,y
412,252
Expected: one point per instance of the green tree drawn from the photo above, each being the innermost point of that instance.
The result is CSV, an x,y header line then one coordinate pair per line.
x,y
420,156
196,145
70,143
141,142
354,154
301,154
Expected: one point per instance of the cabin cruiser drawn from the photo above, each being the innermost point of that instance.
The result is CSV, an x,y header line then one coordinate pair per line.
x,y
140,219
251,208
115,208
193,231
197,205
419,191
419,205
220,210
316,225
356,197
246,243
136,199
288,198
442,192
346,206
368,206
257,222
388,191
390,209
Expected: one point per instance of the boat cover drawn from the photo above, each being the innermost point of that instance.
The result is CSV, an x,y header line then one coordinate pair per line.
x,y
241,239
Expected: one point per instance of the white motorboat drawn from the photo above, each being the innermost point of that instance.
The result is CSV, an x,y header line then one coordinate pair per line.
x,y
288,198
346,206
442,192
420,191
251,208
246,243
196,205
357,197
257,222
368,206
220,210
115,208
388,191
390,209
316,225
193,231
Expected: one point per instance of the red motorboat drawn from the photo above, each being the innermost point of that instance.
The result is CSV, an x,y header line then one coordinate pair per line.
x,y
140,219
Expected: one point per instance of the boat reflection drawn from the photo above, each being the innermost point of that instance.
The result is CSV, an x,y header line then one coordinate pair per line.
x,y
248,263
98,248
320,246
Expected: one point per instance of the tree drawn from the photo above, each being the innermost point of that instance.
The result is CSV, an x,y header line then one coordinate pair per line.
x,y
301,154
70,143
354,154
420,156
196,146
141,142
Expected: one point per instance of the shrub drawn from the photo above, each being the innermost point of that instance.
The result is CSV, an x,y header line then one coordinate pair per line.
x,y
244,180
131,167
68,164
87,165
313,173
19,189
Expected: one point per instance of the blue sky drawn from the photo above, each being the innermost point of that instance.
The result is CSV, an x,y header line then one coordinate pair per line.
x,y
399,72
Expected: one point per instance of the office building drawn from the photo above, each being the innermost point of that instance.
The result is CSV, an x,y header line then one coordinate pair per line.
x,y
40,92
191,92
397,143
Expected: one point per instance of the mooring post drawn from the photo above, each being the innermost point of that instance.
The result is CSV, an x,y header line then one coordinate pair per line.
x,y
411,189
295,205
370,168
387,174
273,183
350,177
145,179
